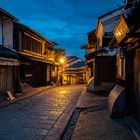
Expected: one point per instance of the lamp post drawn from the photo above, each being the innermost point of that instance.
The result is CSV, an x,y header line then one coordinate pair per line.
x,y
61,75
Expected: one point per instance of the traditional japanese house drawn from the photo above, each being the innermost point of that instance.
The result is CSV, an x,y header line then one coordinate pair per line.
x,y
74,71
90,47
105,59
53,73
38,66
9,63
127,41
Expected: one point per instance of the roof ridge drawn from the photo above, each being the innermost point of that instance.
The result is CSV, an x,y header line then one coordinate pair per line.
x,y
110,12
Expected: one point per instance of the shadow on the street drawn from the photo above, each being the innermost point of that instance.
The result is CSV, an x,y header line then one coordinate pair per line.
x,y
100,93
92,109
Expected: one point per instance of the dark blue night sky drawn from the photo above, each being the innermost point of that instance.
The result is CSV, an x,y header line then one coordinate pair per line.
x,y
63,21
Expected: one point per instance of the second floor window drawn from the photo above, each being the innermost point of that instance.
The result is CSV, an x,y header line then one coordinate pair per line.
x,y
31,44
27,43
36,46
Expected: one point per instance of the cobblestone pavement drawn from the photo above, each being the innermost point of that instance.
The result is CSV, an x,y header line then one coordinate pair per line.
x,y
40,117
94,122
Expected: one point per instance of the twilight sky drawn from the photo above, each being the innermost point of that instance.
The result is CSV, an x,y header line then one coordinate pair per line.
x,y
63,21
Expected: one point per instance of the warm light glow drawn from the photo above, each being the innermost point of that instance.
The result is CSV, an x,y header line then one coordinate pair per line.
x,y
61,60
121,29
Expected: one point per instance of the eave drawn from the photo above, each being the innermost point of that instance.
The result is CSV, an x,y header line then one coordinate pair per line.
x,y
7,14
84,46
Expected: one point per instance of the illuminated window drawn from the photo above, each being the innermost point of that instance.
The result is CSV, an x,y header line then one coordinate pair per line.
x,y
120,65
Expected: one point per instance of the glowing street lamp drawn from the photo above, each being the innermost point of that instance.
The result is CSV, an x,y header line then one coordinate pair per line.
x,y
62,60
61,76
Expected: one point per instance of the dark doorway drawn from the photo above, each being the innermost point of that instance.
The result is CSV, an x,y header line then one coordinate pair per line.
x,y
133,82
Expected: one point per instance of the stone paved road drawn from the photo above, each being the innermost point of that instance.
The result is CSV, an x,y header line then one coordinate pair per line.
x,y
39,117
94,122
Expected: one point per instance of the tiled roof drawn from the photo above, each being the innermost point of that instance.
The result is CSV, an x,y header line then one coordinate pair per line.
x,y
70,59
110,12
33,58
93,54
133,17
78,64
34,32
6,52
83,46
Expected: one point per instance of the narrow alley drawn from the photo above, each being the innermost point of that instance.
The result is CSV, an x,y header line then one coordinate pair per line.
x,y
42,116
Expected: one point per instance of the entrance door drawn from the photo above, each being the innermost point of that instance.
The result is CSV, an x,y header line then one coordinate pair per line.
x,y
69,79
133,82
5,80
137,83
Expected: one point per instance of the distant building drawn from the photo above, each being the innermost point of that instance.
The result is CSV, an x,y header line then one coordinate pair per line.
x,y
74,72
72,60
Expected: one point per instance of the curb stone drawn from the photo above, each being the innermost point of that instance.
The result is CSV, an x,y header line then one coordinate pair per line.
x,y
79,103
59,128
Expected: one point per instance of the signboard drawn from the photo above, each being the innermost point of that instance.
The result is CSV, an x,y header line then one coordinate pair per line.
x,y
10,96
48,73
121,29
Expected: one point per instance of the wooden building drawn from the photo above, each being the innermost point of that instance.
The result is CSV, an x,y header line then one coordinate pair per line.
x,y
127,41
74,72
105,71
9,63
106,57
90,47
101,61
38,66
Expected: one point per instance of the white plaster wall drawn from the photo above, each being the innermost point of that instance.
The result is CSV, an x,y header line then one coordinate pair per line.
x,y
8,33
109,28
0,32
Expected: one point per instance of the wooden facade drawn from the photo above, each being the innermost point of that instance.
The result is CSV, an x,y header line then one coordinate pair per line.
x,y
128,44
74,73
25,56
38,66
105,72
71,77
100,60
6,79
133,82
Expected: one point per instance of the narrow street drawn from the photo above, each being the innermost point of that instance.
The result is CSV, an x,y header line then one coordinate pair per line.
x,y
40,117
69,70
